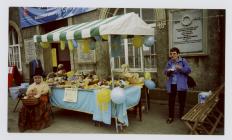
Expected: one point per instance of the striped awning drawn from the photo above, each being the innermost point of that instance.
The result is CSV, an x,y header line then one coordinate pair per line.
x,y
128,24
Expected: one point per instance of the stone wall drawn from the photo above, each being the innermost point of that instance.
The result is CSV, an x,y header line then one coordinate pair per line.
x,y
14,14
209,70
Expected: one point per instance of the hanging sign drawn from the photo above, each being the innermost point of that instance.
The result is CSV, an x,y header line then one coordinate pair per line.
x,y
70,95
30,16
86,57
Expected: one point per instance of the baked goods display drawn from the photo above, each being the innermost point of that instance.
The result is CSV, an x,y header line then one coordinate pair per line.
x,y
90,81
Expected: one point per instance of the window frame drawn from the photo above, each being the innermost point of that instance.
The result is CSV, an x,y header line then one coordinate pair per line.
x,y
12,47
126,51
140,69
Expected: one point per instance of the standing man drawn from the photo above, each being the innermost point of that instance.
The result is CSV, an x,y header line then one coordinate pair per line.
x,y
176,70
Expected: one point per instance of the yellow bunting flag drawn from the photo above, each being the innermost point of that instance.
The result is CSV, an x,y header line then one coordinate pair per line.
x,y
54,60
104,37
85,46
62,45
70,45
44,44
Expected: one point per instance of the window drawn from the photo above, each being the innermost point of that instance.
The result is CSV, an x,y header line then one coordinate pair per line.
x,y
149,58
133,56
118,61
14,55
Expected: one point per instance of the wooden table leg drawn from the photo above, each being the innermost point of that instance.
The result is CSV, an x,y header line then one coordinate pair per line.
x,y
140,110
148,99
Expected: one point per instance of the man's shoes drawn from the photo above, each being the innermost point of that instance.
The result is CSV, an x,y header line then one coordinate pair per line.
x,y
170,120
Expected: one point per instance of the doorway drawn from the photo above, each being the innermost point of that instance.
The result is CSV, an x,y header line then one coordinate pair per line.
x,y
60,57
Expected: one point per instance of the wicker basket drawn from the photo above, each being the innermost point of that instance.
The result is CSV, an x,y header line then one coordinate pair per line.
x,y
93,82
133,81
30,101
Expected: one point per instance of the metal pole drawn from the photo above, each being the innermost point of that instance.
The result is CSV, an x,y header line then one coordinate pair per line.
x,y
143,69
111,61
112,78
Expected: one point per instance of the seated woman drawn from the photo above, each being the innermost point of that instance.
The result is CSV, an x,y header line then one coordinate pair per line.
x,y
37,116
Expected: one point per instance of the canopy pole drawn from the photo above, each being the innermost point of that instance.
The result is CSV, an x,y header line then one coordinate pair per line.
x,y
112,78
143,69
142,59
111,61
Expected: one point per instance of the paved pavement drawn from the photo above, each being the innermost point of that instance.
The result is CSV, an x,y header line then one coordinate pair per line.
x,y
66,121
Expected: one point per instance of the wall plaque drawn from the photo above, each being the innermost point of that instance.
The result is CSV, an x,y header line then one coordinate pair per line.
x,y
186,30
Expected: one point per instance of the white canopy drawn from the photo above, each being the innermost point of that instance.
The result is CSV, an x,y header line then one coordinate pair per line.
x,y
127,24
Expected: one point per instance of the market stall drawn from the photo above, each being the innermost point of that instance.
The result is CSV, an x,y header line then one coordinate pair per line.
x,y
91,35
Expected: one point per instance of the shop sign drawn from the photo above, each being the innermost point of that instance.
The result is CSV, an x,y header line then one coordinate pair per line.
x,y
86,57
70,95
